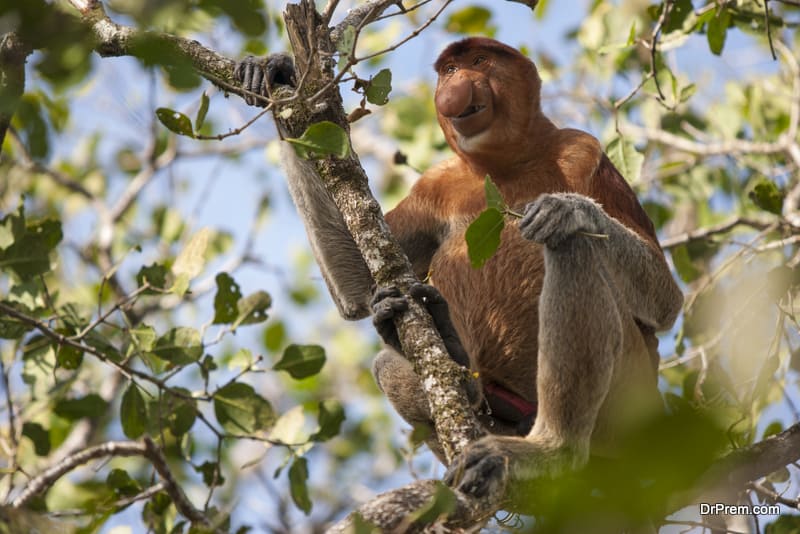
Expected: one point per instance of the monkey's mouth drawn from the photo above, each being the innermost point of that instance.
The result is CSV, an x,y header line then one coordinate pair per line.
x,y
471,110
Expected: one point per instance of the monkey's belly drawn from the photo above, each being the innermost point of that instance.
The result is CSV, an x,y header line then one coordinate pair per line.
x,y
495,308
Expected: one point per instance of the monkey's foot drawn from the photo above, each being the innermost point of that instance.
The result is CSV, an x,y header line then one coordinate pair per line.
x,y
482,470
506,468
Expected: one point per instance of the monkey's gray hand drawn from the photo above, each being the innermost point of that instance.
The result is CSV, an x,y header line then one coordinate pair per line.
x,y
552,219
388,302
260,75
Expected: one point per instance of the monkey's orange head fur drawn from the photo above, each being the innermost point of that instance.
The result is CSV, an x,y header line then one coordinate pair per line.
x,y
487,96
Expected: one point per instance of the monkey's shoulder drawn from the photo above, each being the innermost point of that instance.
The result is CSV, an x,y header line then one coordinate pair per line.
x,y
578,155
449,189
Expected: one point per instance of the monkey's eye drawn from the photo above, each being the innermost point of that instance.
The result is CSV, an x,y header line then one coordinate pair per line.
x,y
478,60
450,69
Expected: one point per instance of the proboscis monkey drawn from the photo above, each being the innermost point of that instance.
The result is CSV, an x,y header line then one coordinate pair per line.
x,y
560,324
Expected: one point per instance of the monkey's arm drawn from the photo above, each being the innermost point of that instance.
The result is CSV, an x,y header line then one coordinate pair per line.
x,y
636,268
342,266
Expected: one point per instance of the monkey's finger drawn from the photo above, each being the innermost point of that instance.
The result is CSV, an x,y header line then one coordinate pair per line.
x,y
383,293
388,308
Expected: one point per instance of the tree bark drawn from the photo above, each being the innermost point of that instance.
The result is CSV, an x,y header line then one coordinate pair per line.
x,y
13,52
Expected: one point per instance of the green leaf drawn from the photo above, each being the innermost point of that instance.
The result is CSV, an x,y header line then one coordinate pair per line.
x,y
345,46
133,412
441,504
767,196
301,361
379,88
248,16
362,526
92,405
631,34
275,336
39,436
470,20
483,236
681,9
330,418
175,121
191,259
212,475
179,346
717,30
298,474
253,308
290,427
684,265
121,482
494,199
155,275
143,338
239,409
69,357
228,294
202,111
181,411
784,524
625,158
687,92
28,245
775,427
322,139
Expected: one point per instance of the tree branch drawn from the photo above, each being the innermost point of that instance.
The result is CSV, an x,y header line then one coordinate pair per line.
x,y
348,186
741,467
709,231
147,449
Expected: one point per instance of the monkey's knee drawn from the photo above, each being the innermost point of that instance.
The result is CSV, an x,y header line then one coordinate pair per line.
x,y
396,378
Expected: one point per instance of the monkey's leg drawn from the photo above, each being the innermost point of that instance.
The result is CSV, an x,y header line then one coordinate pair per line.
x,y
580,339
396,378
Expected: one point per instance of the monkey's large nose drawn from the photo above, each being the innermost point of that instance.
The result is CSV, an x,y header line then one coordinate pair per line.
x,y
454,97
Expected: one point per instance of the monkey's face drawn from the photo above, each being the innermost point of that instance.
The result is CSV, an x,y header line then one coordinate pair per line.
x,y
486,96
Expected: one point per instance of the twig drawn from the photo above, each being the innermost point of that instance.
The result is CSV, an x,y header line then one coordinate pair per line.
x,y
654,44
774,495
769,29
148,449
327,13
240,129
65,340
61,179
140,181
12,427
412,35
173,489
49,476
709,231
116,505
